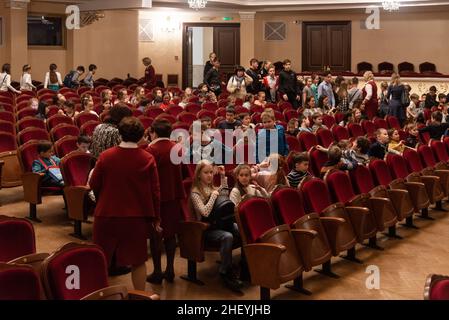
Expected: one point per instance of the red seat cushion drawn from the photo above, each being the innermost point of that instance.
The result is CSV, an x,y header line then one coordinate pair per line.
x,y
307,140
75,168
91,263
380,172
16,238
325,137
440,290
398,166
256,217
288,204
316,196
340,186
413,161
361,179
19,283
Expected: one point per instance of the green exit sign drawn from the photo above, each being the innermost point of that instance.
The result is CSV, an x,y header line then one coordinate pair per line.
x,y
228,18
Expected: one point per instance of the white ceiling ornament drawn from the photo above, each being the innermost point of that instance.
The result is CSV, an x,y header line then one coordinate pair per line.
x,y
391,5
197,4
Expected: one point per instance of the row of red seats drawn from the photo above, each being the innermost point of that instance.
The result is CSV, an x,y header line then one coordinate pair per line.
x,y
27,275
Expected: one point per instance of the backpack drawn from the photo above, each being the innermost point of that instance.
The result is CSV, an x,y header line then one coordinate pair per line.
x,y
68,79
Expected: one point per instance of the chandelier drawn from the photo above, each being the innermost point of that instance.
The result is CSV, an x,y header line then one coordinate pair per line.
x,y
391,5
197,4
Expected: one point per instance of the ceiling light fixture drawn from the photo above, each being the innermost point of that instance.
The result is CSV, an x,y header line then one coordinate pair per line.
x,y
391,5
197,4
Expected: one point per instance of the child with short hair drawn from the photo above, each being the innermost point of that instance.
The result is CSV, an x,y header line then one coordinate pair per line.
x,y
83,143
300,169
317,119
304,124
335,155
48,164
269,132
243,185
379,148
261,99
436,128
293,127
413,109
89,79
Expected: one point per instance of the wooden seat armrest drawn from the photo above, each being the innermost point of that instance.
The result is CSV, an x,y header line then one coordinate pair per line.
x,y
142,295
304,240
357,216
75,201
191,240
332,226
31,187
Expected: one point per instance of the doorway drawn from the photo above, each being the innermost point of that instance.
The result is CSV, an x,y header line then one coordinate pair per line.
x,y
199,40
326,45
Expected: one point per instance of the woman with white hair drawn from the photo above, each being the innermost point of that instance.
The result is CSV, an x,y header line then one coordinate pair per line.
x,y
370,104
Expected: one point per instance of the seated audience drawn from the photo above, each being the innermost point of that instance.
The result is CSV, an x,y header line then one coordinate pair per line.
x,y
69,109
83,143
412,138
292,127
436,128
138,96
304,124
271,131
317,119
87,104
231,122
395,145
260,101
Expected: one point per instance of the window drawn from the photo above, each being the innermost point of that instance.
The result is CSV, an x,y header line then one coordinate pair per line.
x,y
45,31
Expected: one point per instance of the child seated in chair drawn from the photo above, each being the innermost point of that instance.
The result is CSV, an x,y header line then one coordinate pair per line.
x,y
317,119
48,164
202,201
304,124
300,169
412,139
83,143
243,185
395,145
292,127
335,161
379,148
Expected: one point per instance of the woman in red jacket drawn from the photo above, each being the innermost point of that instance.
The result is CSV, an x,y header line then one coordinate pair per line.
x,y
126,185
172,194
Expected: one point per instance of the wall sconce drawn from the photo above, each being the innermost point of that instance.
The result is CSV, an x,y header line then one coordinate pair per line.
x,y
169,25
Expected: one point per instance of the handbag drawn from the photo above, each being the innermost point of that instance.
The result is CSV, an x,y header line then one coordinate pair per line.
x,y
222,215
405,100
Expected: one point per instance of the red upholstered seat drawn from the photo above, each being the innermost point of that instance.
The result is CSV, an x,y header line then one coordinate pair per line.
x,y
307,140
193,108
146,121
52,110
328,121
424,137
30,122
325,137
166,116
355,130
187,117
290,114
22,99
368,127
91,264
398,166
89,127
316,195
206,113
222,103
284,105
62,130
8,127
439,151
153,112
361,179
317,160
440,290
414,163
65,145
340,186
380,123
256,108
340,133
7,116
380,172
293,143
84,117
27,112
22,104
426,154
17,238
256,218
288,205
211,106
393,122
32,134
136,113
174,110
7,142
19,282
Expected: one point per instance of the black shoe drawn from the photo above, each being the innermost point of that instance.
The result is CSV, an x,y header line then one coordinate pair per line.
x,y
119,271
169,276
155,278
232,282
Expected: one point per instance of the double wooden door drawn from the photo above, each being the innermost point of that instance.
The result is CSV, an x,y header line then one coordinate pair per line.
x,y
326,45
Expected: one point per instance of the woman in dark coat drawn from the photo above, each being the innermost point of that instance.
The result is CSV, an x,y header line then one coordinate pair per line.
x,y
395,93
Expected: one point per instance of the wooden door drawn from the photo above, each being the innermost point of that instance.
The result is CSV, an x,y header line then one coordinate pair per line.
x,y
227,48
326,44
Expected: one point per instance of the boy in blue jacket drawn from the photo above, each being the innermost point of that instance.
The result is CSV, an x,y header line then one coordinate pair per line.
x,y
48,164
269,132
